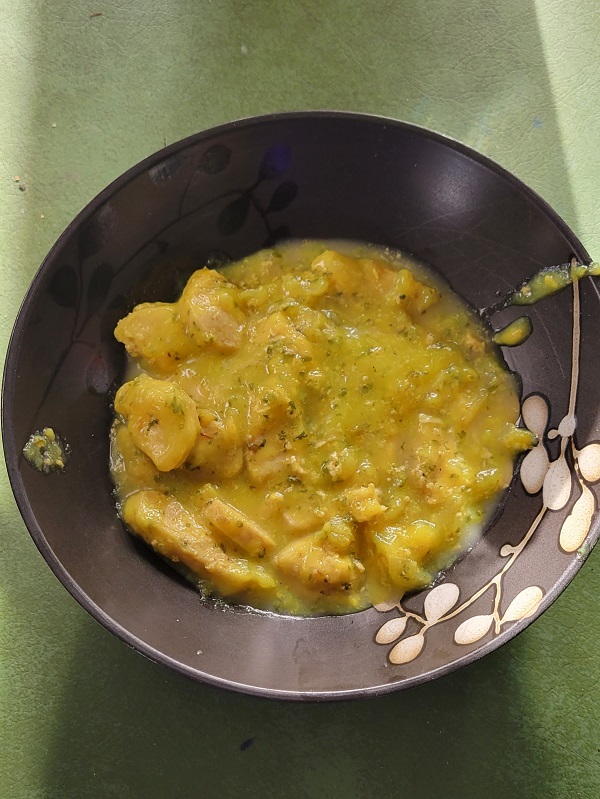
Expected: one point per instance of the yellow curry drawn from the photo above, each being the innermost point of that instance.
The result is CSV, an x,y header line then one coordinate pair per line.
x,y
311,430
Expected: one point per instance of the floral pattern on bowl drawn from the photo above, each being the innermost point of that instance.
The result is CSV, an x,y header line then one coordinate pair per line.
x,y
538,472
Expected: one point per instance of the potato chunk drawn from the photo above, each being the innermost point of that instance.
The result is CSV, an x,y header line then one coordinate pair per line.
x,y
394,560
209,311
154,333
176,533
161,418
132,467
363,502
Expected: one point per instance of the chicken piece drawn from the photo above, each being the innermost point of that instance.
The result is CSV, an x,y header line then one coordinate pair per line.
x,y
468,404
218,451
393,560
272,422
267,460
210,313
161,418
271,407
277,330
363,502
411,294
273,412
313,563
313,325
378,273
301,518
238,527
179,535
342,271
154,333
305,287
473,343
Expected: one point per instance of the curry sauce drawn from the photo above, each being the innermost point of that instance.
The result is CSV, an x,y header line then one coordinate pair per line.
x,y
312,430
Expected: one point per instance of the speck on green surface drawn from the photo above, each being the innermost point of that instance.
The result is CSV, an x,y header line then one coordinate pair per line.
x,y
87,90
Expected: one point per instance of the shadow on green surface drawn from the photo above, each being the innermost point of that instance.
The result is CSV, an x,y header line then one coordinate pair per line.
x,y
120,86
130,729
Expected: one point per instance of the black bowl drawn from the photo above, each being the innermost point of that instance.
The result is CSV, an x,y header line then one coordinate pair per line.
x,y
225,193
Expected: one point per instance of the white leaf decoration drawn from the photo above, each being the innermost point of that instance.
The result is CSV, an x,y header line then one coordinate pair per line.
x,y
534,469
534,411
473,629
506,550
439,601
577,524
588,461
567,426
524,604
557,484
407,650
391,630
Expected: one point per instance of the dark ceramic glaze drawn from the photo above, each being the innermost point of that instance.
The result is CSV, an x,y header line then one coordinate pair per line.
x,y
225,193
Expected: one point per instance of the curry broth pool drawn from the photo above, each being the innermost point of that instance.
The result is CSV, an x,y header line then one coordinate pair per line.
x,y
313,429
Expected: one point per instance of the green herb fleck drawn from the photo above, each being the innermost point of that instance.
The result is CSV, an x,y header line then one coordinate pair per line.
x,y
176,405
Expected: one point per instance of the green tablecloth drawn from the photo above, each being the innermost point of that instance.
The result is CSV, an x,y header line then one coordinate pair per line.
x,y
87,89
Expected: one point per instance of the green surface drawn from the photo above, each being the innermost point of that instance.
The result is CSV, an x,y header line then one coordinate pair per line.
x,y
84,97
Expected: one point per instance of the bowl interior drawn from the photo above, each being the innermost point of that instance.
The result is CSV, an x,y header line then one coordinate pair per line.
x,y
224,194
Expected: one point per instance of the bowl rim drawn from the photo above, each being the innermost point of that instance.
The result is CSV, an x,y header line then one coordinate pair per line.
x,y
12,451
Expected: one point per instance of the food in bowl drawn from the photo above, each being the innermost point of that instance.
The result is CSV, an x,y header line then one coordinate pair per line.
x,y
234,190
313,429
